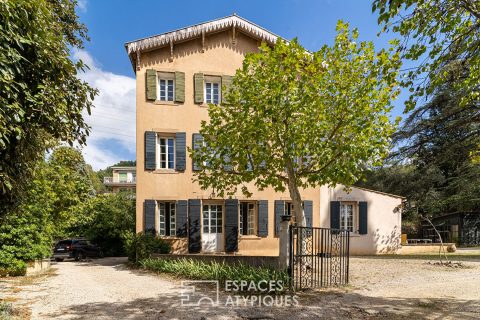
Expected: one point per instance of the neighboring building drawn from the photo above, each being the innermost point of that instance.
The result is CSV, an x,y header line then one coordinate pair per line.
x,y
122,179
462,228
177,74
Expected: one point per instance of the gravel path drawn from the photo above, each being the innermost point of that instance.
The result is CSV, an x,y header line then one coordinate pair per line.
x,y
381,288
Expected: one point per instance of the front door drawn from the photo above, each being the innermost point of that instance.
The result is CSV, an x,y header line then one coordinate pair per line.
x,y
212,235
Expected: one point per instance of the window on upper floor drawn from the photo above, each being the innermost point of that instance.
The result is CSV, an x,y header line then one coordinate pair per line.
x,y
212,90
166,86
166,152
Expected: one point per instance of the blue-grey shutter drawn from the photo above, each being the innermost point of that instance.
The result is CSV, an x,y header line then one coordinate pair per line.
x,y
335,214
228,165
231,225
182,218
362,217
194,226
150,147
279,211
197,141
308,211
149,216
180,151
263,218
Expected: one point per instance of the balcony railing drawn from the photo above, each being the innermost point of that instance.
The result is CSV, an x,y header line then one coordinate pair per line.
x,y
116,180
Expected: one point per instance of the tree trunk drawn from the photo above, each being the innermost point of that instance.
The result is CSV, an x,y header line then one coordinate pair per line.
x,y
295,196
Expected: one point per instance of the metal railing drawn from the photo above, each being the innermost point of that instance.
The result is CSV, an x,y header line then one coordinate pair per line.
x,y
108,180
319,257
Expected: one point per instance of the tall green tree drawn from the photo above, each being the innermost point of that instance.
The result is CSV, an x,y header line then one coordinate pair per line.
x,y
40,92
438,35
294,119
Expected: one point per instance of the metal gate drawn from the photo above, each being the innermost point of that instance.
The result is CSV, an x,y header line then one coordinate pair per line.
x,y
319,257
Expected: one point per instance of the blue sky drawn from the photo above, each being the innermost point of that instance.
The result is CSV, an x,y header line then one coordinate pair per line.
x,y
112,23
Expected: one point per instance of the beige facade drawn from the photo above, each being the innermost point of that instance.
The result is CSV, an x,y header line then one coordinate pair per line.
x,y
384,218
214,49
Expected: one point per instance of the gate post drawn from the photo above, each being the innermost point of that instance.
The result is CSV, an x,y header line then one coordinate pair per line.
x,y
284,239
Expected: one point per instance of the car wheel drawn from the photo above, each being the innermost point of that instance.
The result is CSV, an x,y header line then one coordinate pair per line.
x,y
58,259
79,256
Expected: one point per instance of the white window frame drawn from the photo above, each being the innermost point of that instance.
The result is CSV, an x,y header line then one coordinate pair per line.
x,y
162,217
252,218
345,224
166,76
212,80
158,152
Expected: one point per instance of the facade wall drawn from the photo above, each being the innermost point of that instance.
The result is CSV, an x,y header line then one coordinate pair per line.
x,y
384,219
220,57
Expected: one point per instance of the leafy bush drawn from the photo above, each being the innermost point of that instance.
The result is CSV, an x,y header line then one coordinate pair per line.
x,y
200,270
140,246
107,218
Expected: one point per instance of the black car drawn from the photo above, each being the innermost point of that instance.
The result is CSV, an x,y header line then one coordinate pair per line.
x,y
76,248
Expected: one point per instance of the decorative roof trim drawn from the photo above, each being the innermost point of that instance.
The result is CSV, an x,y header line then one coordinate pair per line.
x,y
194,31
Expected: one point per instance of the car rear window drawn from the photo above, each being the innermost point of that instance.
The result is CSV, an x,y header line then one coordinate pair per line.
x,y
64,242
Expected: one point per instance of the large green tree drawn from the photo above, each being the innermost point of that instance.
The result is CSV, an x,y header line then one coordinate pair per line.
x,y
438,35
41,96
294,119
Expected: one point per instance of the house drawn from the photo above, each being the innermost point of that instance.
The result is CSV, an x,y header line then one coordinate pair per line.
x,y
178,74
122,179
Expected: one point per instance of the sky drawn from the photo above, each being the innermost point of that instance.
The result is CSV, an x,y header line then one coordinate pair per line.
x,y
113,23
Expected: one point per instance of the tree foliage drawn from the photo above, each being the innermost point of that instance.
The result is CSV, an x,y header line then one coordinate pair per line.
x,y
297,119
440,35
40,93
108,219
50,210
434,162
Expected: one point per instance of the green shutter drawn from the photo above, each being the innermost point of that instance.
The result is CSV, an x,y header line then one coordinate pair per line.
x,y
151,84
179,86
226,83
198,82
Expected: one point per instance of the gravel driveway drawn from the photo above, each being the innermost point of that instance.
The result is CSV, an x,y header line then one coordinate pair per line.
x,y
381,288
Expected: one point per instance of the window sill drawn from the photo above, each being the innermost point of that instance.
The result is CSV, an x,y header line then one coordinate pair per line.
x,y
167,103
171,237
165,171
249,237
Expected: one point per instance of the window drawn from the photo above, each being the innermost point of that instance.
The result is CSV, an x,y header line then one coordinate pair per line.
x,y
212,91
166,86
248,218
167,218
166,154
212,218
346,216
122,176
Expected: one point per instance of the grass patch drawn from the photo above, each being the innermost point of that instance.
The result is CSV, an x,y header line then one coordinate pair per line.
x,y
7,311
200,270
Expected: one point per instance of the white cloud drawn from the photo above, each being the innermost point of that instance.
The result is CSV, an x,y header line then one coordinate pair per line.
x,y
82,5
113,118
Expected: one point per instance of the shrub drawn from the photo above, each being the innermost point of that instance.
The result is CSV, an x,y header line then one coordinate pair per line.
x,y
140,246
6,310
200,270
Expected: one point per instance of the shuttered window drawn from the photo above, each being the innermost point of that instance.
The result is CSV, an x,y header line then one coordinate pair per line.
x,y
167,218
248,218
166,89
212,92
347,211
166,148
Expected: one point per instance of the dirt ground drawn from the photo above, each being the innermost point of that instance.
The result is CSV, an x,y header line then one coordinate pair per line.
x,y
380,288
